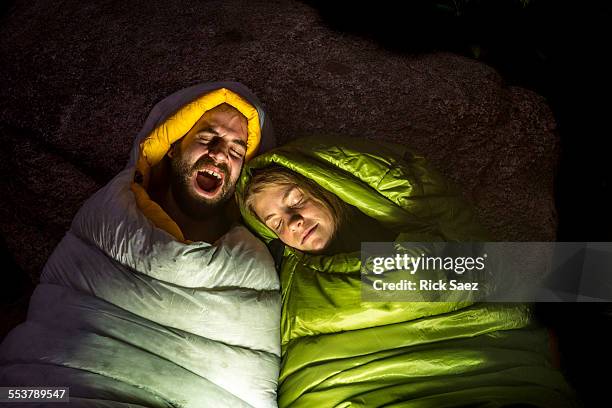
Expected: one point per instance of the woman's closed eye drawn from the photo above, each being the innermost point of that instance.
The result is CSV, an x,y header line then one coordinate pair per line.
x,y
297,204
277,224
296,200
274,222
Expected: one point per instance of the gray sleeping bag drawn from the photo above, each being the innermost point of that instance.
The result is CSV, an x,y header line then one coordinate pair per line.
x,y
127,315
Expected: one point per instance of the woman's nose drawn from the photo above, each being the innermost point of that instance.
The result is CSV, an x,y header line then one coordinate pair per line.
x,y
296,221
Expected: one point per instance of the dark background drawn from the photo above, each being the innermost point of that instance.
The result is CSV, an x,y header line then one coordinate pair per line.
x,y
558,49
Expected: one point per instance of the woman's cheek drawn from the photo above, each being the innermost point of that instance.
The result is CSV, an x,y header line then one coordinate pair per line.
x,y
286,239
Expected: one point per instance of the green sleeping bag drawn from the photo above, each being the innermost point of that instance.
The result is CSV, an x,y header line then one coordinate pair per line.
x,y
338,351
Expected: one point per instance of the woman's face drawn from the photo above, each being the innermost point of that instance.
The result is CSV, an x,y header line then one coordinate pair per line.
x,y
297,220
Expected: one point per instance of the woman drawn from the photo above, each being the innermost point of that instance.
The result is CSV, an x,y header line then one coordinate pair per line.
x,y
307,217
340,351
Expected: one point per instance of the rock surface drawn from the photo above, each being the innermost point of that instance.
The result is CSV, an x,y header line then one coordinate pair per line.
x,y
79,79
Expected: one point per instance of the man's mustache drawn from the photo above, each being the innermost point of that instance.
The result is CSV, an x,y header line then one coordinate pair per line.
x,y
207,160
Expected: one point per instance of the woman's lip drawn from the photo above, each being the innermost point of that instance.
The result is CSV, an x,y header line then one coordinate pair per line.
x,y
309,232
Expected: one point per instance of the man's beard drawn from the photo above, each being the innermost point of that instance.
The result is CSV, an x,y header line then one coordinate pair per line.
x,y
182,188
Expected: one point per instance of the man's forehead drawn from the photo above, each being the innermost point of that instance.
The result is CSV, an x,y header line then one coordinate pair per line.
x,y
224,111
224,116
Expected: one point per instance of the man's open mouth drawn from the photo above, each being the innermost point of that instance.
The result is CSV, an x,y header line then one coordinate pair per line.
x,y
208,182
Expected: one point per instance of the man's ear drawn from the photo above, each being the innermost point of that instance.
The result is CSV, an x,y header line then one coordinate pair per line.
x,y
171,150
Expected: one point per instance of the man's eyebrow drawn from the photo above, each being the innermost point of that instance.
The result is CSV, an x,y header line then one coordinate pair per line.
x,y
209,130
213,132
240,142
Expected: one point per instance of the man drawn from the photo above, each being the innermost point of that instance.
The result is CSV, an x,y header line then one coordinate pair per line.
x,y
156,296
204,167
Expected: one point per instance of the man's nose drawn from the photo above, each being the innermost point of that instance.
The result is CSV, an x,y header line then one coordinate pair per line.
x,y
218,150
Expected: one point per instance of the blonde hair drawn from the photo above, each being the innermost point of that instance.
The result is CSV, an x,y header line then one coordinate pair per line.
x,y
280,176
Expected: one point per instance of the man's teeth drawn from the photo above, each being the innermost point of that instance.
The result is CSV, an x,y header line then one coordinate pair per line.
x,y
212,173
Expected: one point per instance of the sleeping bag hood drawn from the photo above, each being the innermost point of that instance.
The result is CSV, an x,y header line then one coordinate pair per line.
x,y
169,126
